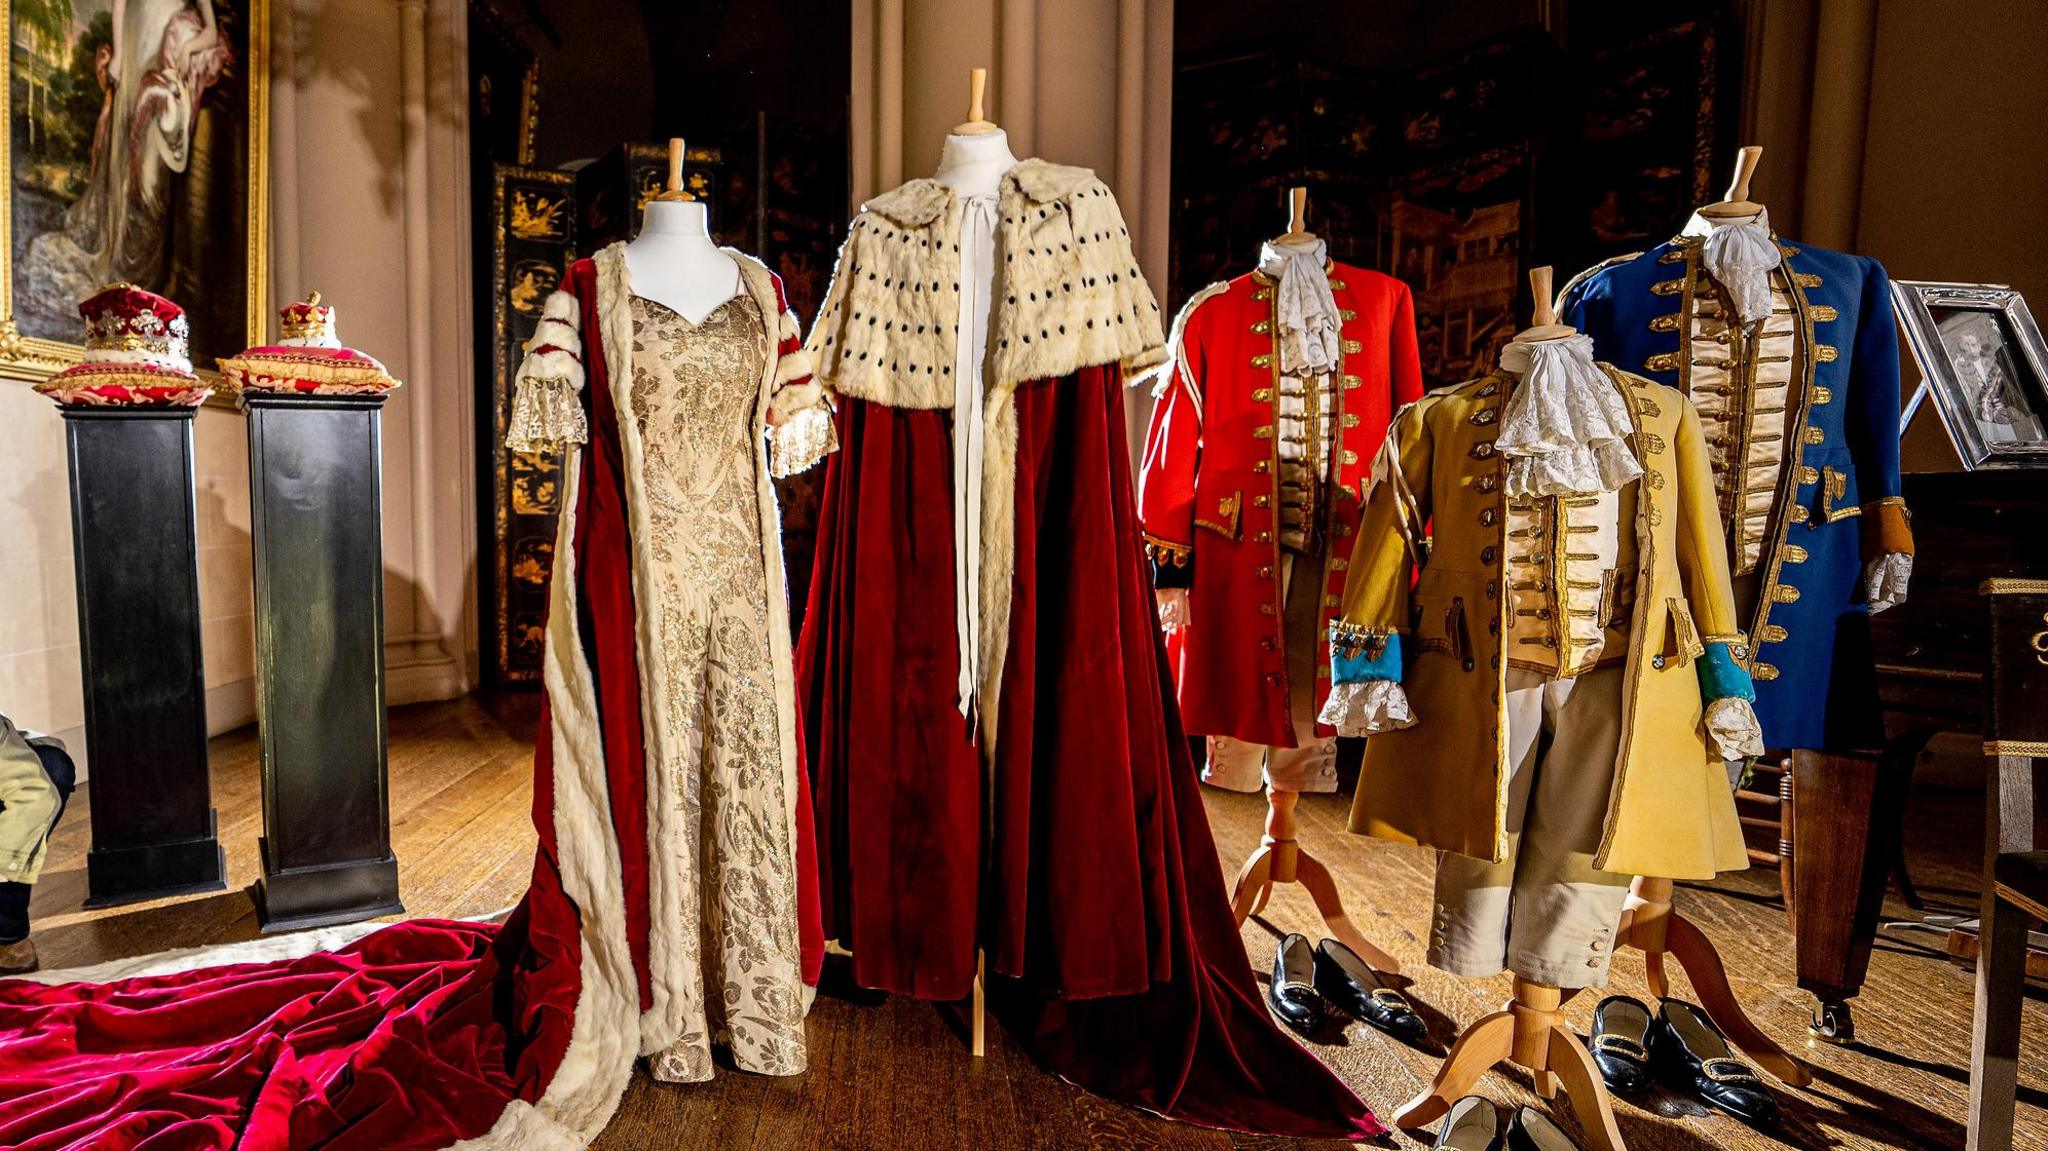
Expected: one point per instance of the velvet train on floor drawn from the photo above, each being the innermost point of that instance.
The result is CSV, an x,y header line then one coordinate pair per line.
x,y
431,1034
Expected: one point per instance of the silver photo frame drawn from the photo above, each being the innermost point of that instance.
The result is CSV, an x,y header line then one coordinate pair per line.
x,y
1983,361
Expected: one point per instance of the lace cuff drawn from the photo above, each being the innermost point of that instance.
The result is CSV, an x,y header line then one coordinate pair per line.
x,y
798,443
1885,579
547,413
1733,728
1367,708
547,408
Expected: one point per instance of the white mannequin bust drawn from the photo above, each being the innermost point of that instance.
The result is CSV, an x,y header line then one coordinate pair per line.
x,y
973,165
674,262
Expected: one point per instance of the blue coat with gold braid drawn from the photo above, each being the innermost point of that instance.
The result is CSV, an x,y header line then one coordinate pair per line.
x,y
1801,415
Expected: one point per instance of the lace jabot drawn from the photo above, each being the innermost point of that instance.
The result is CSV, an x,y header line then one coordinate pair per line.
x,y
1740,254
1305,310
1564,426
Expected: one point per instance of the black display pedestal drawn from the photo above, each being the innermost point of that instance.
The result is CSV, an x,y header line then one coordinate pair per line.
x,y
316,521
135,532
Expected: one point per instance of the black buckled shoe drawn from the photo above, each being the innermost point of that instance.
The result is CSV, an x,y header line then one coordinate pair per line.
x,y
1471,1124
1532,1130
1350,983
1293,992
1621,1042
1694,1056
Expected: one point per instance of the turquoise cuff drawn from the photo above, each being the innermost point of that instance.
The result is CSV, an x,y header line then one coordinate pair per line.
x,y
1721,677
1361,657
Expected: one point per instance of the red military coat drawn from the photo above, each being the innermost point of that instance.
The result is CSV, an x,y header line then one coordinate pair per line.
x,y
1209,497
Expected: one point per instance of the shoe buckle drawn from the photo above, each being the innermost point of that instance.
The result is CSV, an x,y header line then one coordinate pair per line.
x,y
1622,1044
1390,997
1728,1071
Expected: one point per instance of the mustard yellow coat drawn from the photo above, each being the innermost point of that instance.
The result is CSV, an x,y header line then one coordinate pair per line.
x,y
1442,782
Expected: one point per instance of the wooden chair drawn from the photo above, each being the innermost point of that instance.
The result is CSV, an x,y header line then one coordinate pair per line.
x,y
2015,868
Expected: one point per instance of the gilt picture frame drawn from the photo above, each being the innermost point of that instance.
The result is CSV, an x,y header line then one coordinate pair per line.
x,y
135,152
1983,361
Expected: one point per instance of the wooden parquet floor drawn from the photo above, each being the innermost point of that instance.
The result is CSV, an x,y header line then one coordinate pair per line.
x,y
894,1073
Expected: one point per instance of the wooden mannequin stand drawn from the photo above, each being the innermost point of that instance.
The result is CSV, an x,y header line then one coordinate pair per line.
x,y
977,124
1280,858
1649,924
1530,1032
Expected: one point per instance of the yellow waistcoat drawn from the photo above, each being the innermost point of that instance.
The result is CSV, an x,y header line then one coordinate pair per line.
x,y
1442,782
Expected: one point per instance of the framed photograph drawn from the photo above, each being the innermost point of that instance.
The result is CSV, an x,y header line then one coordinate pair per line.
x,y
1982,359
136,150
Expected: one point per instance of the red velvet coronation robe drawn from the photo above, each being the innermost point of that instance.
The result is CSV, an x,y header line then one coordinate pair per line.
x,y
432,1033
1061,828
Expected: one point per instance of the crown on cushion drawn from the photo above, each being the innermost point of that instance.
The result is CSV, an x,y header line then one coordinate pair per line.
x,y
308,359
307,324
126,325
135,355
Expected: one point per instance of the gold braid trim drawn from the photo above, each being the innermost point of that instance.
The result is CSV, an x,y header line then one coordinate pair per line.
x,y
1166,552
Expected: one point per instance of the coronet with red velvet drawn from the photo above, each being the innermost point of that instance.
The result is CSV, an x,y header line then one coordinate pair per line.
x,y
308,359
134,354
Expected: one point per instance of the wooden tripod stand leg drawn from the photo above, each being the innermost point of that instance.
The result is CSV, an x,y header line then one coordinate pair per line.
x,y
1652,926
1485,1043
1254,884
1280,859
977,1024
1695,952
1580,1078
1312,875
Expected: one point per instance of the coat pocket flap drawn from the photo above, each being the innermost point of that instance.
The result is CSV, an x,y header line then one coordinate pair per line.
x,y
1219,513
1681,639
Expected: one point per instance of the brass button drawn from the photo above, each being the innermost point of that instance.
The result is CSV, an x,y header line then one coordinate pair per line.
x,y
1486,555
1657,661
1482,451
1485,416
1486,517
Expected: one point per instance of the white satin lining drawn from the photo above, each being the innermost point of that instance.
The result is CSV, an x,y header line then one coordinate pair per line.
x,y
970,352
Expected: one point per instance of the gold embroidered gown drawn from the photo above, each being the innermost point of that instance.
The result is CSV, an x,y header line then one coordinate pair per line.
x,y
695,389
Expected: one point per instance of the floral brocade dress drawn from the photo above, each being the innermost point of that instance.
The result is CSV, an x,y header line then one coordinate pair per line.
x,y
695,391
